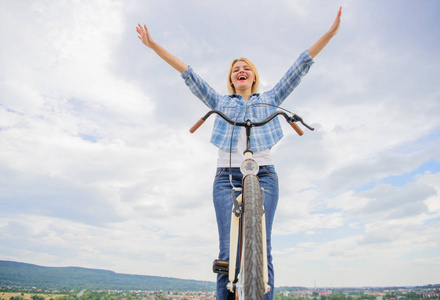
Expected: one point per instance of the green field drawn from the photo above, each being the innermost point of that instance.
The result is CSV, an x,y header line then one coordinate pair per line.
x,y
7,296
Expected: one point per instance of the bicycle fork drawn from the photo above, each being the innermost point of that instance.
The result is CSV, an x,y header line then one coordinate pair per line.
x,y
236,214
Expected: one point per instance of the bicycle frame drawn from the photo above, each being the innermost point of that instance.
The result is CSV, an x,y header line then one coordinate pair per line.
x,y
249,168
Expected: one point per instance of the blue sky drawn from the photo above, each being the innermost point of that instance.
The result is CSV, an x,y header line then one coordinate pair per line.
x,y
98,169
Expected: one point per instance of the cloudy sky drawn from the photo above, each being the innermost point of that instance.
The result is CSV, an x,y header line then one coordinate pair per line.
x,y
98,169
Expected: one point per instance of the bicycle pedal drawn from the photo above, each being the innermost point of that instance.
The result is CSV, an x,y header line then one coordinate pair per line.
x,y
220,267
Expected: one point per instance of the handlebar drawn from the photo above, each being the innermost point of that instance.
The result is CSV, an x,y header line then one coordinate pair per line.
x,y
290,119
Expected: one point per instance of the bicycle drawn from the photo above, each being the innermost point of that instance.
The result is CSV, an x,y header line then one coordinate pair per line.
x,y
252,279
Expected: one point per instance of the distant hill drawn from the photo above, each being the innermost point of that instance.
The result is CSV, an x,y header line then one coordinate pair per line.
x,y
28,275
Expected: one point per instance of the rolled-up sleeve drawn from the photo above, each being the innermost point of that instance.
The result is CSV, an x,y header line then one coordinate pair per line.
x,y
292,78
200,88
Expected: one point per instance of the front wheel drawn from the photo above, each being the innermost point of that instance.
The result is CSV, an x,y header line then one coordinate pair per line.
x,y
253,243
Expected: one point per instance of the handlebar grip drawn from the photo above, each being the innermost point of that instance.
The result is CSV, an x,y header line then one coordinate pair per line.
x,y
197,125
296,128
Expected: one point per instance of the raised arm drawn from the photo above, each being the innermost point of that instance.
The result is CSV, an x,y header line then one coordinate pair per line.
x,y
148,41
323,41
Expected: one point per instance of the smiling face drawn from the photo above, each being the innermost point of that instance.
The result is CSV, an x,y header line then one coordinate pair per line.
x,y
243,77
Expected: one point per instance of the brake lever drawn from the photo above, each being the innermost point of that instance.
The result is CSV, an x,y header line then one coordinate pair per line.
x,y
296,118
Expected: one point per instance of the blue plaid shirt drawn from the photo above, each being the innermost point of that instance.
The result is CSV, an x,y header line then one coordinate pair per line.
x,y
264,137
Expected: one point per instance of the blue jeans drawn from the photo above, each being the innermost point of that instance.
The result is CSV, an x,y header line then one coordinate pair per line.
x,y
223,207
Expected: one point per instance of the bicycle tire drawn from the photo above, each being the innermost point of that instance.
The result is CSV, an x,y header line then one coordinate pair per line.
x,y
253,251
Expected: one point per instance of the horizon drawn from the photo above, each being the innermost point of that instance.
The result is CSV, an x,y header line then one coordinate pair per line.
x,y
277,287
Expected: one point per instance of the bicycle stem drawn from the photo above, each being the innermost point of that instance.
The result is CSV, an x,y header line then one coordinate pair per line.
x,y
248,139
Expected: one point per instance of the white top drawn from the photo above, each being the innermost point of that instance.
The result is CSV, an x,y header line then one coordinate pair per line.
x,y
263,158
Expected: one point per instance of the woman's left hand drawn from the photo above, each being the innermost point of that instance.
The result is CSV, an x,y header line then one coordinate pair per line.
x,y
323,41
335,27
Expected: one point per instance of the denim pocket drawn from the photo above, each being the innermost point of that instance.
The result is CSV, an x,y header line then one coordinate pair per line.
x,y
219,173
270,170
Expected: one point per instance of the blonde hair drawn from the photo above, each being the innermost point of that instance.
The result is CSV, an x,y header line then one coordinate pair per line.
x,y
231,88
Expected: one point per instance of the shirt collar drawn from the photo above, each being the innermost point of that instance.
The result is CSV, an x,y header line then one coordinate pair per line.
x,y
238,96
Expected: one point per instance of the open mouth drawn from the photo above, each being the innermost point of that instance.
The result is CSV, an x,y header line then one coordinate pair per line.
x,y
242,77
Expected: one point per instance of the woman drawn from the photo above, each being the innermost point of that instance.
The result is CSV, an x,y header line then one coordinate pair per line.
x,y
243,86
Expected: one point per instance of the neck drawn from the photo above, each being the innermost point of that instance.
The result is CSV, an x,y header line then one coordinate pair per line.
x,y
245,94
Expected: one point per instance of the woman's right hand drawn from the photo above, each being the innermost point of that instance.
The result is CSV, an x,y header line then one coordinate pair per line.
x,y
145,36
148,41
